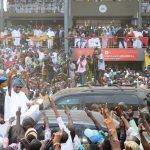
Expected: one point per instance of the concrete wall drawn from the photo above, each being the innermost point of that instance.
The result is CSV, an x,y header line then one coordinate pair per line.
x,y
114,9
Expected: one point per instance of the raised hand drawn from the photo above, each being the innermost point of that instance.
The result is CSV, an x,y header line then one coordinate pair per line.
x,y
89,113
67,110
104,110
18,112
11,119
46,145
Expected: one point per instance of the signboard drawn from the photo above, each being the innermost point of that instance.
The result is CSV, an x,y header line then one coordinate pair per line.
x,y
110,54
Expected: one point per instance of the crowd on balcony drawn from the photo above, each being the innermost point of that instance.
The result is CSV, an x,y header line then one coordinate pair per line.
x,y
79,36
145,6
109,36
40,6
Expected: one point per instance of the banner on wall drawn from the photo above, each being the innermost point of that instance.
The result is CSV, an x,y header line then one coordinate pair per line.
x,y
110,54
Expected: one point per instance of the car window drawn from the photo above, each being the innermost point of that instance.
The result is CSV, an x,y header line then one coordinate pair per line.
x,y
127,98
73,102
97,99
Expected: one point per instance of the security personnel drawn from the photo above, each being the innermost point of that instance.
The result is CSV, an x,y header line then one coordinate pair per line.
x,y
2,96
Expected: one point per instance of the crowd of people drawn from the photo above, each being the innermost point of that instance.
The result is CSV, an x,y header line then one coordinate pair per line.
x,y
108,36
145,6
39,6
129,135
33,72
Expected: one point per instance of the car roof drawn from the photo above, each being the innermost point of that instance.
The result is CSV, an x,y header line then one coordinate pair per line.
x,y
77,116
82,90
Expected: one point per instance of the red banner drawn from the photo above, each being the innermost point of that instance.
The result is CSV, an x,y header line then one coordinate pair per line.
x,y
110,54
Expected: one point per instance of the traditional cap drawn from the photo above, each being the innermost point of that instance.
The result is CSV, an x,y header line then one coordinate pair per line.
x,y
19,82
2,79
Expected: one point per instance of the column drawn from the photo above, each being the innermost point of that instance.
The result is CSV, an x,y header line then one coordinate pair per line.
x,y
139,14
66,26
1,15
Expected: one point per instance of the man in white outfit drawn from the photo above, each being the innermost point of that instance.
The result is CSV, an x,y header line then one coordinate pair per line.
x,y
15,98
16,35
38,33
50,34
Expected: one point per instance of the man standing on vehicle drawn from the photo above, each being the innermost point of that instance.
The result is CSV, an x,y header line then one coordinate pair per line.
x,y
95,65
101,67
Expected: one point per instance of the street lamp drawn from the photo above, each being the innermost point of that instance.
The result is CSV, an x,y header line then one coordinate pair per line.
x,y
66,11
139,14
66,25
1,15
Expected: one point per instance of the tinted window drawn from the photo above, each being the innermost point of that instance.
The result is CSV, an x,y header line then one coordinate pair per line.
x,y
127,98
73,102
97,99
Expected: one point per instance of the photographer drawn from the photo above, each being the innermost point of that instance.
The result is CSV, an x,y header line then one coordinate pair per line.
x,y
81,68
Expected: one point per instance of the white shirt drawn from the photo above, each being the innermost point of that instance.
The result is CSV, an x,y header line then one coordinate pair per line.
x,y
94,42
72,68
68,145
54,57
101,65
41,56
137,43
50,33
15,33
28,61
38,32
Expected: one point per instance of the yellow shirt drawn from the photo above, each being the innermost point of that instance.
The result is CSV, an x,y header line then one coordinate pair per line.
x,y
147,59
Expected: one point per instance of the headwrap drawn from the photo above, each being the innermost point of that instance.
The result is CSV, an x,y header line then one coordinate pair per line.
x,y
31,131
19,82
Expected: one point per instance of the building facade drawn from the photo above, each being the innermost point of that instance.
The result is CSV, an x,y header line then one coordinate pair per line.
x,y
91,12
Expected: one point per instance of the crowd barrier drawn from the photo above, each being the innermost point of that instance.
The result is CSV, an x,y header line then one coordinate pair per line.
x,y
111,40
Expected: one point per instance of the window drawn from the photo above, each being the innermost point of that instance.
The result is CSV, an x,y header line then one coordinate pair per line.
x,y
127,98
73,102
97,98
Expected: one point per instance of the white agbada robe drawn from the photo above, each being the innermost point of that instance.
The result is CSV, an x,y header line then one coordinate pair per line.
x,y
13,102
50,34
16,35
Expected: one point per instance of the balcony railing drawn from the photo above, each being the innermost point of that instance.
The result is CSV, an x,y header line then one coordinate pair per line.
x,y
88,42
